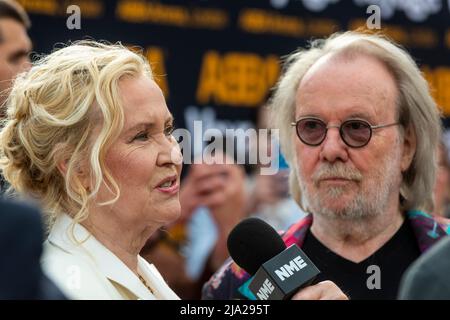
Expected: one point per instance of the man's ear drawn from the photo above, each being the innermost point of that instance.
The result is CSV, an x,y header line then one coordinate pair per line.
x,y
409,148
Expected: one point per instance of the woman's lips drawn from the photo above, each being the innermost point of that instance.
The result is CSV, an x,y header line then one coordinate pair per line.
x,y
173,189
172,185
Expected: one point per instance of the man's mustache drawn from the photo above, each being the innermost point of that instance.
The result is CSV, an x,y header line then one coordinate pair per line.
x,y
337,170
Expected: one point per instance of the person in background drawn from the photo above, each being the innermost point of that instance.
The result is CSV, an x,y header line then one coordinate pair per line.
x,y
442,184
15,48
268,194
88,135
15,45
21,237
427,278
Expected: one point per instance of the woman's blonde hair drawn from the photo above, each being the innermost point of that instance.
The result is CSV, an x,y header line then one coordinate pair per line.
x,y
51,113
415,106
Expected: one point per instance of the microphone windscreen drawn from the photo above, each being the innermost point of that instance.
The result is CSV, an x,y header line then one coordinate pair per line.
x,y
252,242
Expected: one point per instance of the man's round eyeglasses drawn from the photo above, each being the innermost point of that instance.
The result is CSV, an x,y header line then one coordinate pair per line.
x,y
355,133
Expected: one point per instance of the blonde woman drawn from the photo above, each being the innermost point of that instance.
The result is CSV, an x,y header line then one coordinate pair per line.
x,y
88,134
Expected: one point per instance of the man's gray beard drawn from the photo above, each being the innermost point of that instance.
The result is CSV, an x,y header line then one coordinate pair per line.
x,y
359,208
369,203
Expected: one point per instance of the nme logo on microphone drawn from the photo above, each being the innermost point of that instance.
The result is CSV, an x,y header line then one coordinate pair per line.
x,y
288,269
265,290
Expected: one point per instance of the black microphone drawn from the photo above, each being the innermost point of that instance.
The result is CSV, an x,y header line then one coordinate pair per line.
x,y
278,271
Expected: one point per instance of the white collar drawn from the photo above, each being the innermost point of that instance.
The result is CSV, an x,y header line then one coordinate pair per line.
x,y
108,263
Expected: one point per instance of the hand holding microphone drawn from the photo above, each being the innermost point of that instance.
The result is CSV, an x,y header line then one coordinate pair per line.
x,y
279,273
325,290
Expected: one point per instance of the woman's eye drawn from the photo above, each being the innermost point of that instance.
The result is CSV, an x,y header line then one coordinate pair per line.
x,y
143,136
168,130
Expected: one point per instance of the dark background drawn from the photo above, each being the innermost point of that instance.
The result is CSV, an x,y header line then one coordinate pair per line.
x,y
178,36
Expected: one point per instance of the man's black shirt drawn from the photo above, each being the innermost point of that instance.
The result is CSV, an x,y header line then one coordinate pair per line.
x,y
384,268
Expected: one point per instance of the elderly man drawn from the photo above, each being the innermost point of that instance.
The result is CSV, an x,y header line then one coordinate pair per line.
x,y
360,130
